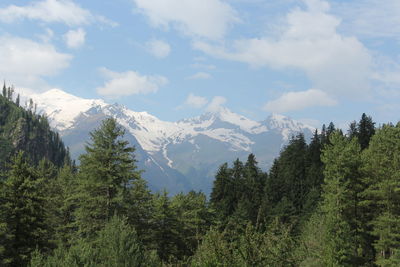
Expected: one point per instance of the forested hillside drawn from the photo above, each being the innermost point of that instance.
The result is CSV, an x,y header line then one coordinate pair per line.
x,y
22,129
332,202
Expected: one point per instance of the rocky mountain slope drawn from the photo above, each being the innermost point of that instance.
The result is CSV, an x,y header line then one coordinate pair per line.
x,y
181,155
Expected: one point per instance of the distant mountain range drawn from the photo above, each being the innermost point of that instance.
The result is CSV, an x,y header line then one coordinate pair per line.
x,y
178,156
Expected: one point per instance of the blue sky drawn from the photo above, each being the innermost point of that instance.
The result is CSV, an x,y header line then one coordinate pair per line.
x,y
316,61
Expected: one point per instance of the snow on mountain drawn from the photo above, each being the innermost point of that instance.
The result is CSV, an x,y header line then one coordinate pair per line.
x,y
186,152
286,125
62,108
152,133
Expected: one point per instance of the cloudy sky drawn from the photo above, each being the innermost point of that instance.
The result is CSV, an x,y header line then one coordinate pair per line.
x,y
316,61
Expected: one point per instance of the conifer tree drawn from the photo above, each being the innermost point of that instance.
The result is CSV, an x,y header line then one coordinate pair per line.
x,y
63,203
22,214
165,234
253,189
194,219
117,245
4,89
106,170
353,131
382,197
365,130
223,194
340,206
139,209
314,174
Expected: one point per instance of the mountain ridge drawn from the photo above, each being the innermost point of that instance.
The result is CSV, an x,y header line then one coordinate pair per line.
x,y
187,151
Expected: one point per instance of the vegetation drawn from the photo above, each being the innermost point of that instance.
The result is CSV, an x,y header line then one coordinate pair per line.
x,y
332,202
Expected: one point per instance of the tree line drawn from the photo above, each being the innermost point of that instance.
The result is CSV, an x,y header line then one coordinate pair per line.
x,y
332,202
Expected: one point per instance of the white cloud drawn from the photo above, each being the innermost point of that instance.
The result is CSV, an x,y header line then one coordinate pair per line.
x,y
371,18
26,63
61,11
300,100
129,83
216,104
205,18
200,76
158,48
195,101
75,38
310,42
47,36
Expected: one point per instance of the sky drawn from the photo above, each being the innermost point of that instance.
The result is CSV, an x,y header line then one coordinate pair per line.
x,y
313,60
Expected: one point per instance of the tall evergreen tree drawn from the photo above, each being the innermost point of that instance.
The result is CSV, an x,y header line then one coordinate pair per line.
x,y
106,170
165,228
223,194
194,220
382,197
365,130
341,201
4,89
22,214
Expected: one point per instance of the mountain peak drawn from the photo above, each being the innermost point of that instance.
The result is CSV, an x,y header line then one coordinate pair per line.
x,y
62,108
286,125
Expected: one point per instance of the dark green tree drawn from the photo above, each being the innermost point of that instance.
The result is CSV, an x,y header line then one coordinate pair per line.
x,y
365,130
341,201
106,171
22,214
117,245
166,227
382,197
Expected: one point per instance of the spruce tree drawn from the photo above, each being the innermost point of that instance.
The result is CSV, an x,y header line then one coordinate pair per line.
x,y
4,90
382,197
341,201
194,219
223,194
22,214
166,227
107,169
365,130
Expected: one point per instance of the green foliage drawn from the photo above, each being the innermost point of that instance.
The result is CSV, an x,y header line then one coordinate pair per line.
x,y
166,227
24,130
106,170
382,197
253,248
22,213
332,202
194,219
116,245
341,200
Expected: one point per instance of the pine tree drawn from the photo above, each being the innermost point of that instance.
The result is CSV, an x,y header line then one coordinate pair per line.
x,y
353,131
223,194
139,209
365,130
165,237
194,219
340,206
253,189
22,214
17,100
382,197
4,89
63,203
106,170
117,245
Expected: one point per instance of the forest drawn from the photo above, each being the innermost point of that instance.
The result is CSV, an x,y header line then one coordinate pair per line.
x,y
333,201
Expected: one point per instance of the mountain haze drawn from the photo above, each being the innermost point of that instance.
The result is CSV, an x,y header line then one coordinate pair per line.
x,y
181,155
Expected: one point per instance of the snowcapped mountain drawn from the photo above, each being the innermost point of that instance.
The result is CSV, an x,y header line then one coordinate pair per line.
x,y
180,155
